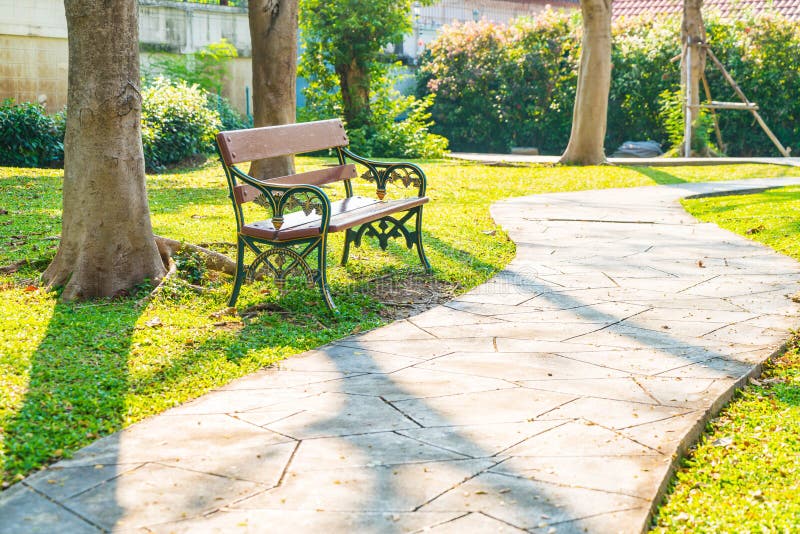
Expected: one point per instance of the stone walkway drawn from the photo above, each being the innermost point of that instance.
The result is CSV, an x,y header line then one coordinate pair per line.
x,y
553,398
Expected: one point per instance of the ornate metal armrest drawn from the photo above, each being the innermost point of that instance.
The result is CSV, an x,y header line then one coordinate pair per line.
x,y
382,173
278,198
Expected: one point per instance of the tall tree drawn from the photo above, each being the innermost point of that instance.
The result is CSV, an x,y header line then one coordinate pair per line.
x,y
350,35
589,114
273,35
693,37
107,243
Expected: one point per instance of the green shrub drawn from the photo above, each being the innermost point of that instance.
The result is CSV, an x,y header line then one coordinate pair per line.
x,y
498,86
230,118
176,123
399,127
28,136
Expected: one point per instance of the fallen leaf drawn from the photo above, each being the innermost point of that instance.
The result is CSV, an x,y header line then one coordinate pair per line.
x,y
3,211
30,288
223,312
489,232
701,264
757,229
722,442
154,322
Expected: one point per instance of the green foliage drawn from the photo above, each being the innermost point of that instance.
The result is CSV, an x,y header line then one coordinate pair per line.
x,y
400,125
28,136
190,266
176,123
206,67
230,118
672,119
349,36
498,86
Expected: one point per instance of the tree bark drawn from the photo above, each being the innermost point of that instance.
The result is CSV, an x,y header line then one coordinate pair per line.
x,y
589,115
693,36
354,80
273,34
107,244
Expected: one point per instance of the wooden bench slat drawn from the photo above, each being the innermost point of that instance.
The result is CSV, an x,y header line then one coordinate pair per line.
x,y
253,144
247,193
345,214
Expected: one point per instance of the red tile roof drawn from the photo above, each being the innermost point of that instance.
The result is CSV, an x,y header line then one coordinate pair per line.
x,y
729,8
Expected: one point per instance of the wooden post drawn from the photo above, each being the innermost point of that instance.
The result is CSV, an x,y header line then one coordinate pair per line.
x,y
786,152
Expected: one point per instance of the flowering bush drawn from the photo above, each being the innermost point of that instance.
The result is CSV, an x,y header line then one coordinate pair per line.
x,y
498,86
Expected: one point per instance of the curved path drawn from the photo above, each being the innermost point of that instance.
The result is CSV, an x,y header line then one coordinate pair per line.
x,y
553,398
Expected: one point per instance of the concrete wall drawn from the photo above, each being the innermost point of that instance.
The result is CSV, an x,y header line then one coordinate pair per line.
x,y
33,44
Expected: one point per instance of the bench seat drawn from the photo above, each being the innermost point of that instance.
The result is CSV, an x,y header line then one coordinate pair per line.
x,y
345,214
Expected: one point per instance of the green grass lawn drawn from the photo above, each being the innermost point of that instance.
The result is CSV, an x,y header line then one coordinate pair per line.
x,y
744,476
70,373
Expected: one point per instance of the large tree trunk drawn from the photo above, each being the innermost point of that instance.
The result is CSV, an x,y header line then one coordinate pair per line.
x,y
354,80
693,36
107,244
594,81
273,35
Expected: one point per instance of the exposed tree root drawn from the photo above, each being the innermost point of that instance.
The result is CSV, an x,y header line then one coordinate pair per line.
x,y
213,260
172,269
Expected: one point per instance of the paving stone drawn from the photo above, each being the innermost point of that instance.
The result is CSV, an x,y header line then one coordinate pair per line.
x,y
519,366
473,522
480,441
346,361
395,488
366,450
260,521
613,414
637,476
663,435
22,510
579,439
527,503
60,483
412,383
423,349
338,414
605,388
156,494
275,378
500,406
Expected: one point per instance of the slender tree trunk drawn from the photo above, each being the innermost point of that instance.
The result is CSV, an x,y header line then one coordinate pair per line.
x,y
273,35
107,244
693,36
354,81
594,81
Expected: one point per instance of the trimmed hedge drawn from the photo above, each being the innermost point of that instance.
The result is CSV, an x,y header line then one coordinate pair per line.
x,y
500,86
29,137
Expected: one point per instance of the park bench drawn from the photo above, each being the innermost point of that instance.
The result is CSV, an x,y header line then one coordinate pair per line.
x,y
285,222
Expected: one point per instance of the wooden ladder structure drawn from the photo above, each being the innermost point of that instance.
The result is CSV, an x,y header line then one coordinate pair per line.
x,y
712,105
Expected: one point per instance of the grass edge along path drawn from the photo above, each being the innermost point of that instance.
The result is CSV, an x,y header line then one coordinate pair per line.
x,y
70,373
743,474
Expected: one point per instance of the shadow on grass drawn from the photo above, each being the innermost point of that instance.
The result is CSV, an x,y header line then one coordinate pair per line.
x,y
658,176
77,383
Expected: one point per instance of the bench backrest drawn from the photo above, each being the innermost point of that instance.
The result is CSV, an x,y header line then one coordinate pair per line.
x,y
238,146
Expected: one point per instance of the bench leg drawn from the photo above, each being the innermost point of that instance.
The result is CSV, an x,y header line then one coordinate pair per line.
x,y
420,249
322,269
349,236
239,276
